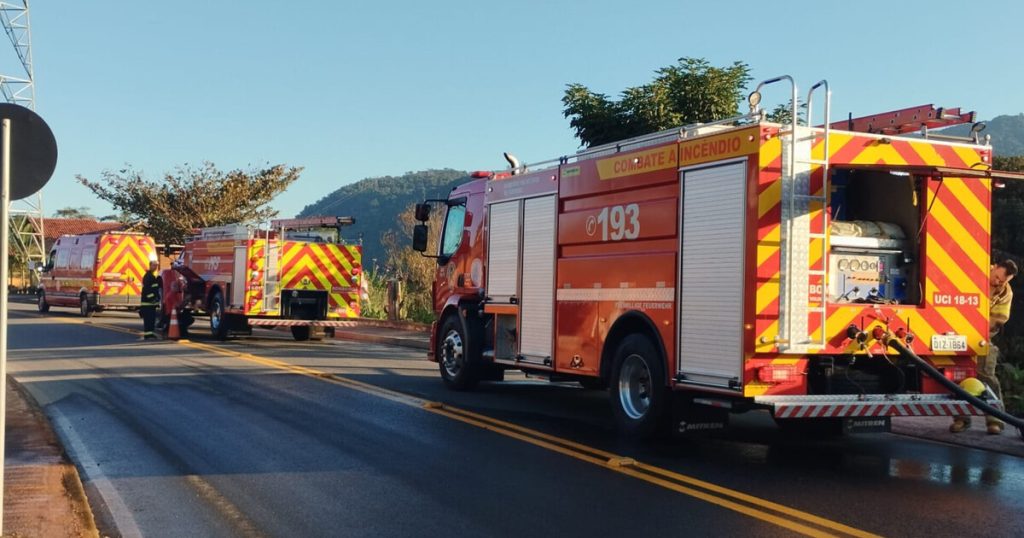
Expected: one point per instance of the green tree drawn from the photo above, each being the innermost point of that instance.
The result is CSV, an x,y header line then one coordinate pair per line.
x,y
192,197
692,91
73,213
415,271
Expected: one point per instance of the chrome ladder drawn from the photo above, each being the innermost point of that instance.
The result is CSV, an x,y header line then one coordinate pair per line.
x,y
796,234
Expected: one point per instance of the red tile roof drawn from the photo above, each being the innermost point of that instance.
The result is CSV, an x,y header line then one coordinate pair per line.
x,y
54,228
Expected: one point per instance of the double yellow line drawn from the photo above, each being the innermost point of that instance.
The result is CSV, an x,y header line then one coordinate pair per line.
x,y
790,518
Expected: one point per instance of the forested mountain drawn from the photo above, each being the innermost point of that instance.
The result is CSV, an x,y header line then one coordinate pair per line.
x,y
1007,134
376,202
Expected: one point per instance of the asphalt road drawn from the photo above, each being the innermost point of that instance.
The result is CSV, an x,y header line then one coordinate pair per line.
x,y
263,436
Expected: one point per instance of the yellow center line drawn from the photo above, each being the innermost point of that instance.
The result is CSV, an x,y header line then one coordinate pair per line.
x,y
718,495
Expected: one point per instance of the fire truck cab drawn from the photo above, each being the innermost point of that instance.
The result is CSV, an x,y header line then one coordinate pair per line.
x,y
728,266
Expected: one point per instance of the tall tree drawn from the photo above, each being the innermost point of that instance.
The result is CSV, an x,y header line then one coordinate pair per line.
x,y
192,197
691,91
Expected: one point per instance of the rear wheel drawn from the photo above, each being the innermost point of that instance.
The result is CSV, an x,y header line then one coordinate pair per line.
x,y
301,333
41,303
218,319
83,306
457,355
639,394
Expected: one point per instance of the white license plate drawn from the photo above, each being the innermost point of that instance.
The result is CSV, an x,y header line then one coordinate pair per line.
x,y
949,342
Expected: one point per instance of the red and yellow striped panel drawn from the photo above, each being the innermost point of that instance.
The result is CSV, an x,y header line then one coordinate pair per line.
x,y
324,266
122,261
256,265
955,250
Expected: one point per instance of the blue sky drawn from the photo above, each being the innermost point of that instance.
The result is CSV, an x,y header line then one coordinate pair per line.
x,y
350,90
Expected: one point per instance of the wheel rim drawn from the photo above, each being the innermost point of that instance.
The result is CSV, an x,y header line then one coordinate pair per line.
x,y
42,301
635,387
84,306
451,353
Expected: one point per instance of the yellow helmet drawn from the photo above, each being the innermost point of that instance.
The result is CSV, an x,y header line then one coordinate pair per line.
x,y
973,386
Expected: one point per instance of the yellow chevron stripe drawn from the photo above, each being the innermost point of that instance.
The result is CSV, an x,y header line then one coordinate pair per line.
x,y
767,292
960,325
950,268
769,245
769,199
770,150
768,335
836,142
975,253
928,154
878,152
970,156
756,388
970,202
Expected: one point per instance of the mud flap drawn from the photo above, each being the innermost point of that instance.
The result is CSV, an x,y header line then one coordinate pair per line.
x,y
689,418
866,425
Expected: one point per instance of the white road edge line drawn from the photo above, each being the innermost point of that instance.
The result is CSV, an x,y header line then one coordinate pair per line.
x,y
119,511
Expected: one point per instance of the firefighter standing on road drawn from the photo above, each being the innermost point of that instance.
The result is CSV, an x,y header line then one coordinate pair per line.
x,y
1000,298
151,288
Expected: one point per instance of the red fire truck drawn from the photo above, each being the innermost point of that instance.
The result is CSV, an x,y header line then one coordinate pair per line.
x,y
295,273
730,266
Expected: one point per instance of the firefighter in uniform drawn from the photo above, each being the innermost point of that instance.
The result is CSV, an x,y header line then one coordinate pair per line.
x,y
999,312
151,288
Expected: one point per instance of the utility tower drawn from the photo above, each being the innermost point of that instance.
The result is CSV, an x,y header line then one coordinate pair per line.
x,y
26,215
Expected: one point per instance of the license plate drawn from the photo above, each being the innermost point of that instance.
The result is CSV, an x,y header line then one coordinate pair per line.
x,y
949,342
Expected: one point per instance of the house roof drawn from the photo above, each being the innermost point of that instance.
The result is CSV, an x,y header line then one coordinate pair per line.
x,y
54,228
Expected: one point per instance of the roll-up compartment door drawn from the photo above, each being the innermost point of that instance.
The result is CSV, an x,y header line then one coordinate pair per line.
x,y
503,251
711,277
537,301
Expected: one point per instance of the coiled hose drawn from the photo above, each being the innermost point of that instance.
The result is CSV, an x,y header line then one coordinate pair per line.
x,y
956,389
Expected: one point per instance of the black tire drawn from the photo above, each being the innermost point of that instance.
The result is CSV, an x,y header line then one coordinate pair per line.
x,y
83,306
41,303
218,319
301,333
639,394
458,355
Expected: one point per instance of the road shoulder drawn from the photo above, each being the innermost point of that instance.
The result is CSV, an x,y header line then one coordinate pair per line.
x,y
43,494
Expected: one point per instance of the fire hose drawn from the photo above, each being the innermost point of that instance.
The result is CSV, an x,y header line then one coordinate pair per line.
x,y
956,389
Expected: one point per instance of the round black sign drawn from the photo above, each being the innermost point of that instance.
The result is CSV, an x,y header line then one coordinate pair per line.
x,y
33,150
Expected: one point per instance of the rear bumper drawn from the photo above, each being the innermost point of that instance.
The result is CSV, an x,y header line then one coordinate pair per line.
x,y
278,322
869,405
124,301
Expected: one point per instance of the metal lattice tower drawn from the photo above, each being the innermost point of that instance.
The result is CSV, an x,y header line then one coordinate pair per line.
x,y
26,215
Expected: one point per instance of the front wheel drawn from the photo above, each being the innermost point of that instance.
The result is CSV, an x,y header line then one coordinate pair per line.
x,y
41,303
218,319
457,355
639,393
83,306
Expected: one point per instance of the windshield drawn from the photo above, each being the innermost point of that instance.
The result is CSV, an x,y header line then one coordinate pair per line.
x,y
453,227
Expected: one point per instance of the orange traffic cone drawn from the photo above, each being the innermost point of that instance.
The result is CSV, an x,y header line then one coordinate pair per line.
x,y
173,332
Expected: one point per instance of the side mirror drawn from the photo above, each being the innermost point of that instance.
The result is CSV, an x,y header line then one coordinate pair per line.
x,y
423,213
419,235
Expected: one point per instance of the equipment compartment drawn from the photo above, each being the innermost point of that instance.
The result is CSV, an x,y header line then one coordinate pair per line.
x,y
873,237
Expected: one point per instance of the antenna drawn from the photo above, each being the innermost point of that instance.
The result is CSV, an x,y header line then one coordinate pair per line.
x,y
26,215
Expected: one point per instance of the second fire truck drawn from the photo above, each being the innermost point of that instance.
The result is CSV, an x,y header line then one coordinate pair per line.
x,y
730,266
295,273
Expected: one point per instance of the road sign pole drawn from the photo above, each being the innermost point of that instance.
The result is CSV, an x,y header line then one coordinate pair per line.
x,y
5,206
